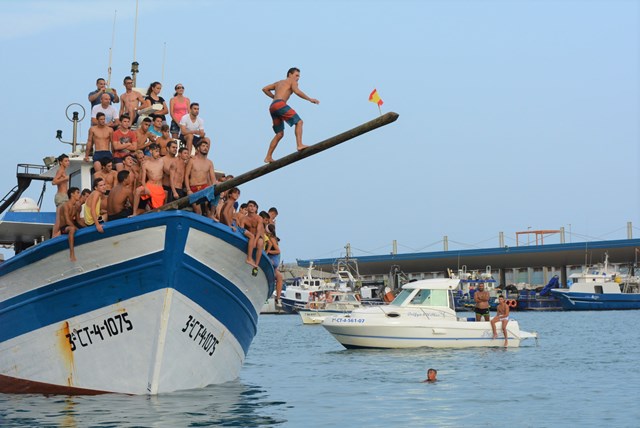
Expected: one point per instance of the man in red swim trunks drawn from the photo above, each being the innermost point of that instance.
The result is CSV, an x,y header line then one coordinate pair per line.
x,y
151,192
200,174
280,112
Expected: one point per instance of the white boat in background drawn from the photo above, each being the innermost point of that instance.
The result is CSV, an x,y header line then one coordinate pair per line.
x,y
422,315
328,303
298,293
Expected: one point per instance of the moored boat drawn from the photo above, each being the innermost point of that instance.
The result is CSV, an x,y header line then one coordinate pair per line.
x,y
422,315
600,288
328,303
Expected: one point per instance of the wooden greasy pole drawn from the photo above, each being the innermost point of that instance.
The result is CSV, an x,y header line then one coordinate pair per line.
x,y
211,192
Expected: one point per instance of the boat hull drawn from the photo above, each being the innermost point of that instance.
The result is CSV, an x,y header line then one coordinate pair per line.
x,y
156,304
362,332
577,301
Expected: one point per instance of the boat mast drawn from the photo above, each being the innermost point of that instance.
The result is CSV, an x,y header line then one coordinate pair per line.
x,y
134,64
113,39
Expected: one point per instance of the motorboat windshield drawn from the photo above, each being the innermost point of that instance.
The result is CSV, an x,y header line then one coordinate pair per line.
x,y
422,297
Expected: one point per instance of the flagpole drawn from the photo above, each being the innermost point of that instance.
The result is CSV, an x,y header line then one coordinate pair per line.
x,y
379,109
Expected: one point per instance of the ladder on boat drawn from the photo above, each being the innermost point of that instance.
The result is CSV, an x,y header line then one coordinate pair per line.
x,y
25,173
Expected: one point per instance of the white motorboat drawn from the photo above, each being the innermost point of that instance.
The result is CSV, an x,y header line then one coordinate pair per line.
x,y
328,303
422,315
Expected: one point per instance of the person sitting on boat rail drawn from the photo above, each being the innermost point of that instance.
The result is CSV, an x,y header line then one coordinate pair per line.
x,y
502,317
101,85
273,252
199,175
151,192
61,180
79,207
99,142
93,210
228,208
481,297
255,227
67,214
120,198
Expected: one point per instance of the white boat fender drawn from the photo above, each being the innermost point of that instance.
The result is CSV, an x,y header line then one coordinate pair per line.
x,y
439,331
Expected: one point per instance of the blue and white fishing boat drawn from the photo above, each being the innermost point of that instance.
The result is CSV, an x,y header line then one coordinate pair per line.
x,y
157,303
600,288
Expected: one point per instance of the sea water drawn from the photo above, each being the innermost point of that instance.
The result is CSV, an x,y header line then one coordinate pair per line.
x,y
582,372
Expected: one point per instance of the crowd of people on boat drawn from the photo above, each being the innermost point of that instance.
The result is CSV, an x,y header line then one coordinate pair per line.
x,y
142,169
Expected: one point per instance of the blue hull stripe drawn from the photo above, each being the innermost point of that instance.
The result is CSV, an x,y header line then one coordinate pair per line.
x,y
75,296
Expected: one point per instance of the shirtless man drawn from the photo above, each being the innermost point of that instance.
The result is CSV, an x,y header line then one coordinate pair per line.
x,y
84,195
280,92
163,140
253,224
129,164
67,215
124,141
99,142
107,174
131,100
501,317
151,192
61,180
121,197
199,173
143,136
481,298
93,207
228,211
173,173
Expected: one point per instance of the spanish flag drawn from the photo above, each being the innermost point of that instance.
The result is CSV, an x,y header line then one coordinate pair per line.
x,y
375,98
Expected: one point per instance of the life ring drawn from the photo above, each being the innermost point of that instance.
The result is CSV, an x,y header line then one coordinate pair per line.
x,y
388,298
512,303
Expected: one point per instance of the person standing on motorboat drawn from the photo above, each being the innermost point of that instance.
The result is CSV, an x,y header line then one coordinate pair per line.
x,y
481,297
503,317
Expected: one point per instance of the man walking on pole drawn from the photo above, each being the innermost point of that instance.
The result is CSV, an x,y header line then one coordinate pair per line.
x,y
280,112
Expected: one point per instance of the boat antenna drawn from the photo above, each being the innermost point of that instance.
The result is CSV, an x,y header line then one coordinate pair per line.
x,y
134,64
113,40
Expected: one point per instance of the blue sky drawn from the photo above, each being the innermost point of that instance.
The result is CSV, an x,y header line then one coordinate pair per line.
x,y
513,114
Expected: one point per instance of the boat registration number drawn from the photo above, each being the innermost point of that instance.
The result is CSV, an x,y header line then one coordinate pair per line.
x,y
90,334
348,320
200,335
